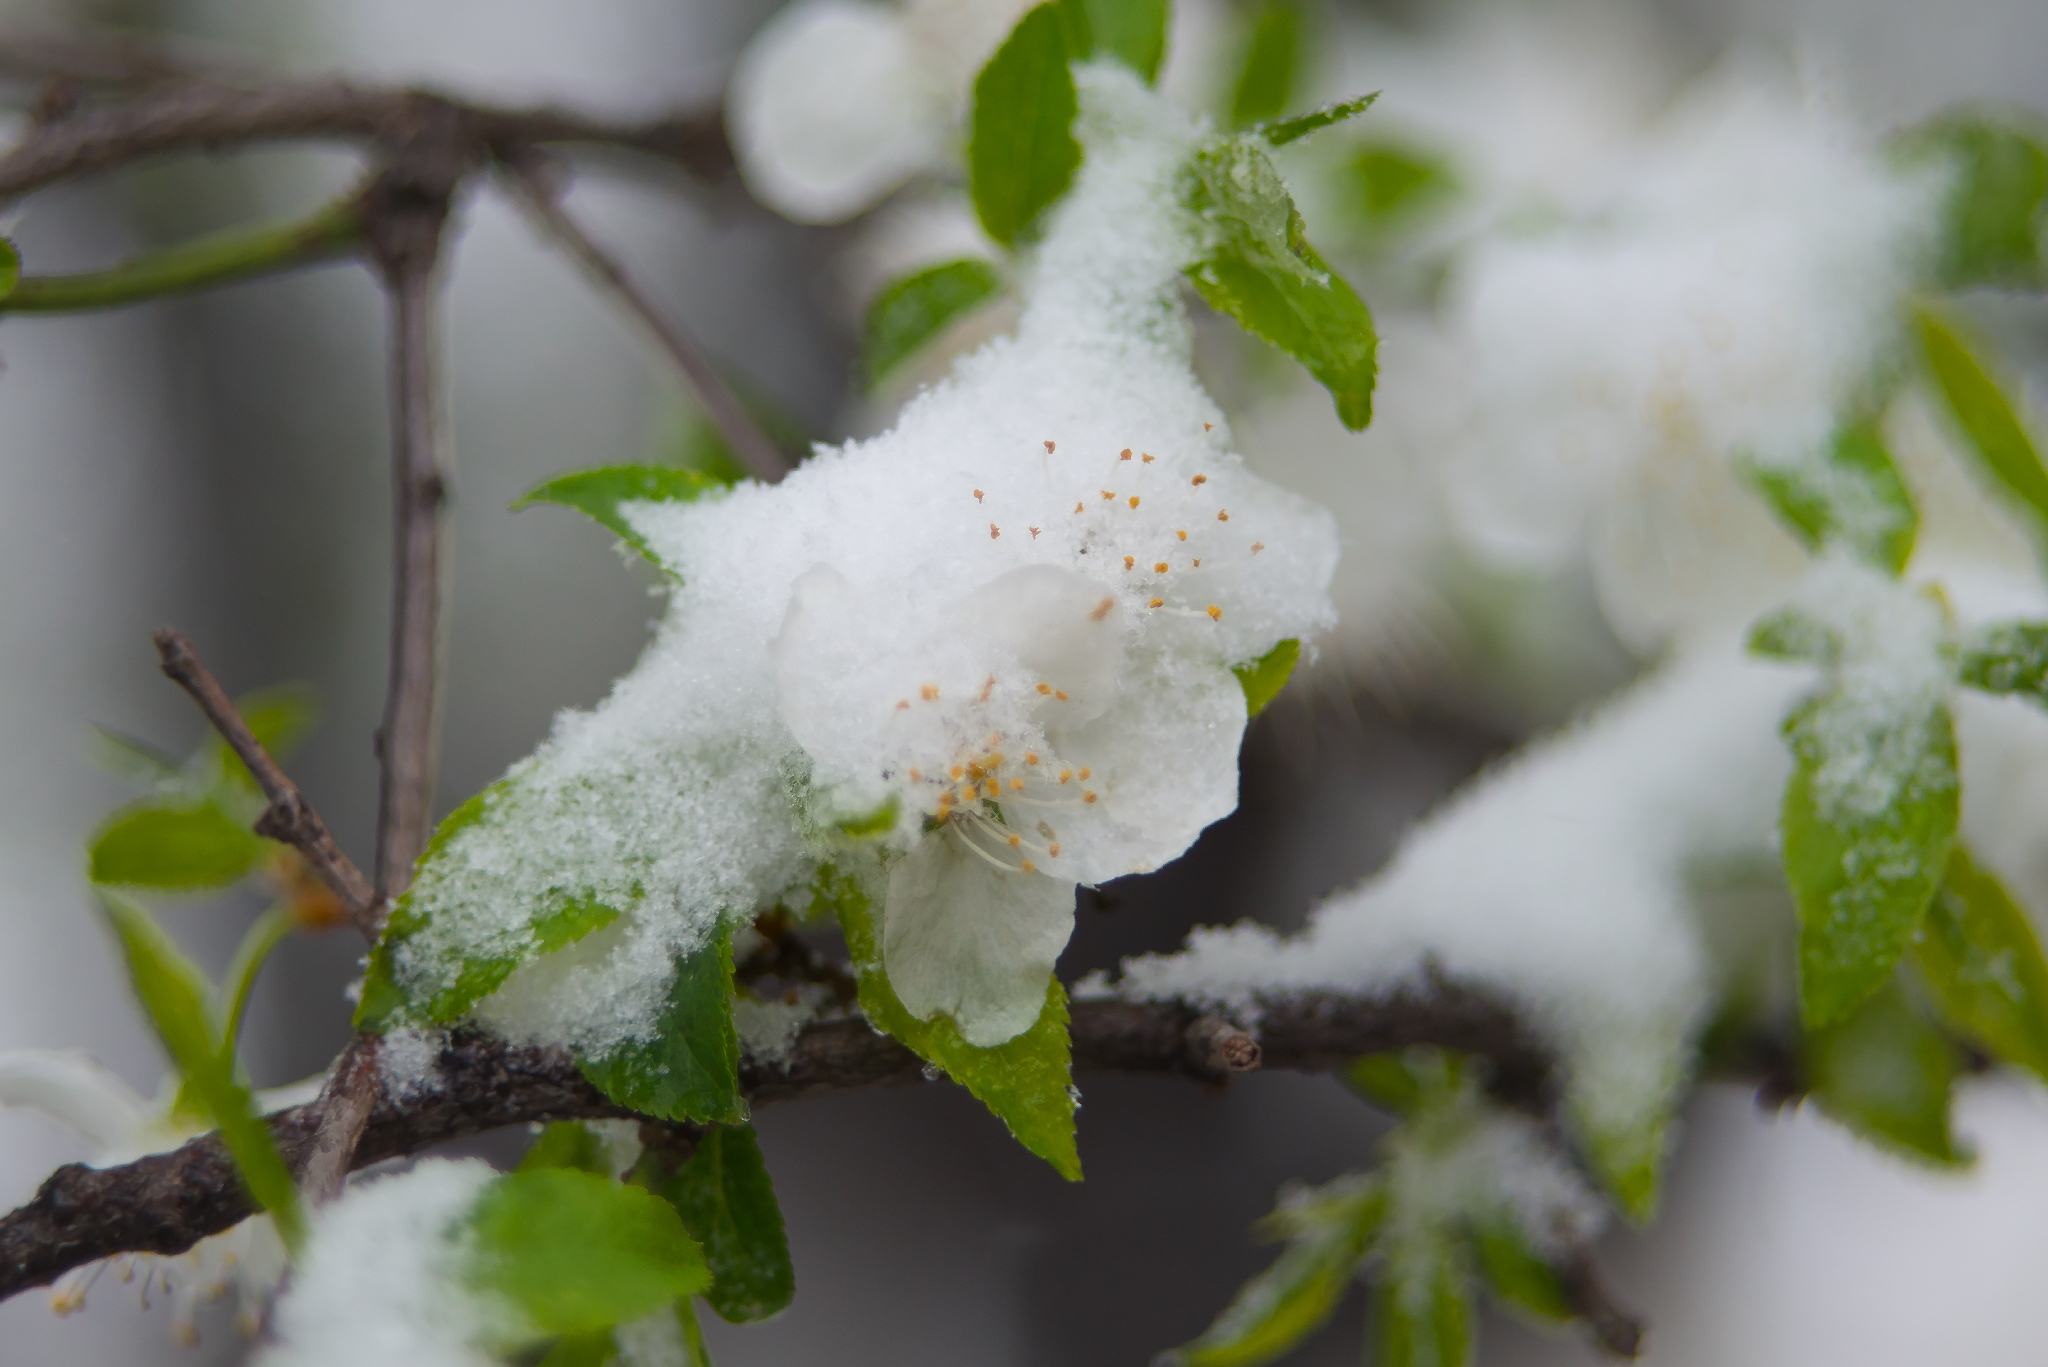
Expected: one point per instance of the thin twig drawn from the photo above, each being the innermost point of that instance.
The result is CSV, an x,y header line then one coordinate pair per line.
x,y
290,818
345,1105
762,458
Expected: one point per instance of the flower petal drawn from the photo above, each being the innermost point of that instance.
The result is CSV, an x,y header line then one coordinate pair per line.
x,y
69,1086
963,937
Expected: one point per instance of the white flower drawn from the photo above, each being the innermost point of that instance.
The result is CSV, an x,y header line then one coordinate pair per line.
x,y
121,1127
837,102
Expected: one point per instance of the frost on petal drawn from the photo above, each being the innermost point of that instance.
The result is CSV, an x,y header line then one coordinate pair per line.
x,y
974,940
831,107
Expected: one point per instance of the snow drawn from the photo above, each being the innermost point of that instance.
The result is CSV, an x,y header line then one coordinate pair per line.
x,y
382,1277
768,1029
963,623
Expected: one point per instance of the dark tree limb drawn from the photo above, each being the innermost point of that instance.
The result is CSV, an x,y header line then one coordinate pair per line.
x,y
536,189
290,818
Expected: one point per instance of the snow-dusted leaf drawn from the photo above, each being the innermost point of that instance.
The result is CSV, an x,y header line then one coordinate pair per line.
x,y
1628,1158
1280,133
1867,823
179,1002
568,1144
1886,1073
1797,635
1021,153
1422,1313
1848,495
690,1069
910,312
1989,420
1264,677
1982,963
1272,61
578,1253
1026,1081
1998,198
1132,31
727,1201
175,847
1517,1274
2007,657
601,492
1259,268
1329,1231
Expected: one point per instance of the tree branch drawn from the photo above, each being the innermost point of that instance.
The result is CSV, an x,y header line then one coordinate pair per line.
x,y
763,459
290,817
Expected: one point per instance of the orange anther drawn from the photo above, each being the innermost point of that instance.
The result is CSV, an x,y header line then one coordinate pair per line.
x,y
1085,771
1077,507
1102,609
1015,841
995,759
1045,688
1125,454
1258,546
1088,797
1149,458
1201,479
1016,785
1223,515
916,777
1215,613
977,495
930,692
1208,427
1159,568
1048,448
1031,757
1108,494
1182,535
990,790
1134,500
1129,561
1034,533
958,771
903,704
994,531
1066,774
1028,867
1198,562
1053,849
1156,603
1060,694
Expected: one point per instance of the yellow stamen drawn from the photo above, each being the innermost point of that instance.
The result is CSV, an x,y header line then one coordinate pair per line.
x,y
990,790
1258,546
1066,774
958,771
1182,535
1085,771
994,531
1201,479
1016,785
1134,500
1045,688
1125,454
930,692
1028,867
1159,568
1102,609
1054,849
1223,515
1148,458
1015,841
977,495
1060,694
1215,613
1156,603
1031,757
1088,797
1108,494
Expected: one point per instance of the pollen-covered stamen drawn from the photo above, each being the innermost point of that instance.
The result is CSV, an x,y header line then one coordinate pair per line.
x,y
1125,454
1130,562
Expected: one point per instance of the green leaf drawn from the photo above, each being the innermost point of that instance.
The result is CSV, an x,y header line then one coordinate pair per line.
x,y
1627,1158
1868,821
1423,1317
694,1353
914,310
1260,269
279,718
483,974
1790,634
579,1253
179,1003
1982,964
1027,1081
269,931
728,1202
1517,1274
1992,224
690,1070
10,267
1282,1305
1393,181
1264,677
1402,1083
141,763
1021,153
1850,495
1265,84
1132,31
1988,419
603,491
2007,657
1886,1074
1287,130
178,847
569,1144
582,1350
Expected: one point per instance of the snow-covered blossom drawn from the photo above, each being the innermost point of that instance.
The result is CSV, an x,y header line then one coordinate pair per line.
x,y
997,639
837,102
121,1126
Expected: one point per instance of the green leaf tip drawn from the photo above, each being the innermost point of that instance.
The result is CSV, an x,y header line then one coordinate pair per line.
x,y
1263,678
1027,1082
727,1201
1021,152
1796,636
602,493
690,1069
1284,131
180,1005
1132,31
1864,867
1259,268
173,847
578,1253
1981,962
1888,1075
1989,420
911,312
1272,62
1850,495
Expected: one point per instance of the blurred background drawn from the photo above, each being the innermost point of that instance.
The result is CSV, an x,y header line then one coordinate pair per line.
x,y
219,463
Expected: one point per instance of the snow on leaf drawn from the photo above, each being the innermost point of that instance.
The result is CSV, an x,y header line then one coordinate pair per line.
x,y
728,1203
1027,1081
1422,1314
601,492
1132,31
1849,494
689,1070
1795,635
1982,964
2007,657
1887,1074
1997,206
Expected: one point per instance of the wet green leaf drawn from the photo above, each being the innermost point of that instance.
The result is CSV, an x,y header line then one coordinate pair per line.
x,y
1989,420
603,493
1288,130
728,1202
1132,31
1517,1274
1272,60
690,1070
1868,820
1982,963
579,1253
1264,677
914,310
1887,1074
1259,268
1021,153
179,1002
1849,495
1027,1081
175,847
569,1144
